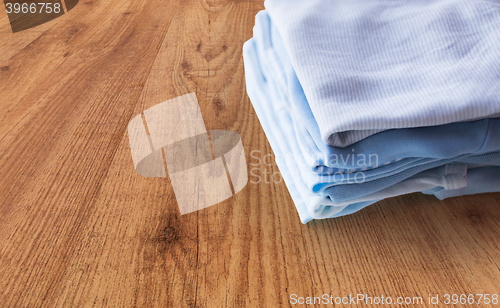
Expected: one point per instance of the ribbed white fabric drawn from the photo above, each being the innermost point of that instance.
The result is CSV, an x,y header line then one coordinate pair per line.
x,y
372,65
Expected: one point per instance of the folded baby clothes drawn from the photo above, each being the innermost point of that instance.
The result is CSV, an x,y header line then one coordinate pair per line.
x,y
371,65
313,205
429,159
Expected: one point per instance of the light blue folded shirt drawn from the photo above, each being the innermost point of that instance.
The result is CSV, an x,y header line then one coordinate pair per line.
x,y
371,65
409,147
329,201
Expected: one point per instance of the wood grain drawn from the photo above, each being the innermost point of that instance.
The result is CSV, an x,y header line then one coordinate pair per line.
x,y
79,228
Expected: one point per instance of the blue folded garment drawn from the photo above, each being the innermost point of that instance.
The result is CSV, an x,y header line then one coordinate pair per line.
x,y
484,179
370,65
322,195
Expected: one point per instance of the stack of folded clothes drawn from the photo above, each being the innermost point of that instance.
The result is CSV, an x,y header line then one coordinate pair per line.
x,y
363,100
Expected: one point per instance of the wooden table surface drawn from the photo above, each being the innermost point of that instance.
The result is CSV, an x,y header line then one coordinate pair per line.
x,y
79,227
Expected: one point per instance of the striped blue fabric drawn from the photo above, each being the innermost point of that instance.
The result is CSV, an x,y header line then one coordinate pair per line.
x,y
367,66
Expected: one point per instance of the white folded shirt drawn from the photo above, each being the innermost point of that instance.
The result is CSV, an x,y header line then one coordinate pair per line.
x,y
369,66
